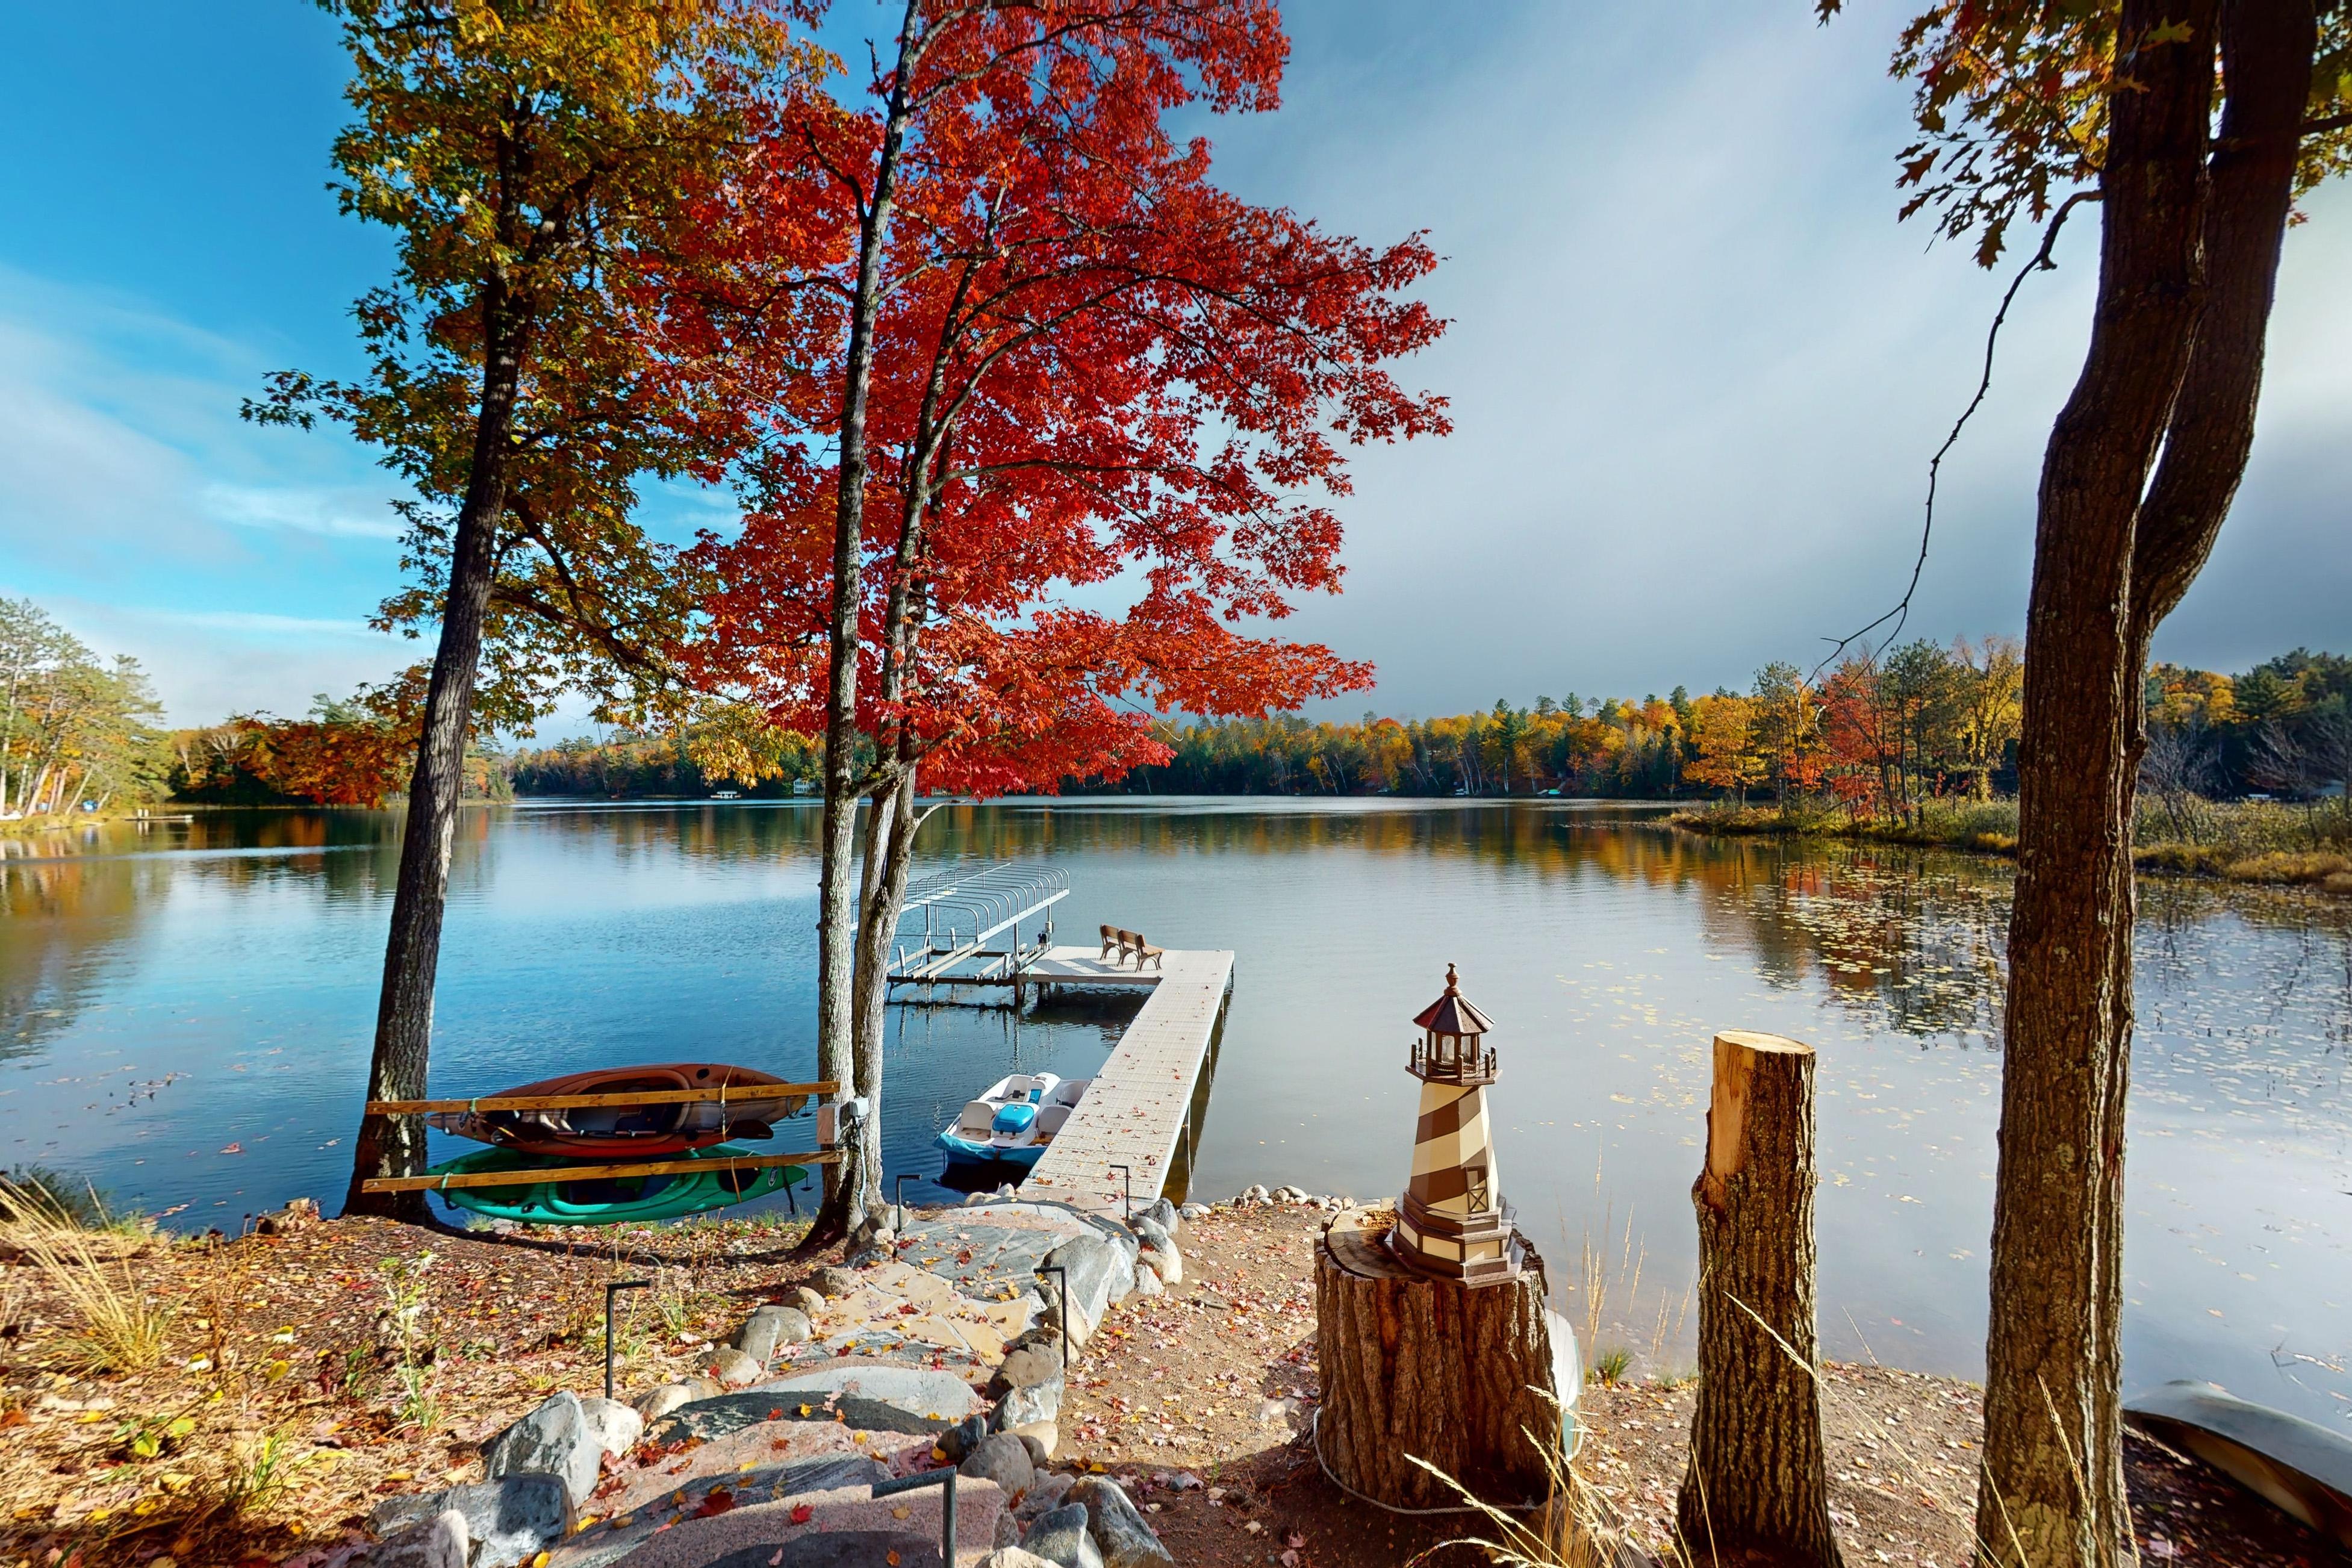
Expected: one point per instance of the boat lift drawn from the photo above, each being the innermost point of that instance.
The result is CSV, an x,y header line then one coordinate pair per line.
x,y
950,917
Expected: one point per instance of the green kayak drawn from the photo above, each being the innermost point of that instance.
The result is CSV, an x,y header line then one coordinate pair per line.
x,y
608,1200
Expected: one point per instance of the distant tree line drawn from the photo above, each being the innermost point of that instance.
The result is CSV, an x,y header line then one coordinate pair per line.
x,y
1880,736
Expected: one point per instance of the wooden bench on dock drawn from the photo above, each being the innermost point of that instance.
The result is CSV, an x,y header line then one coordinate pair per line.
x,y
1128,944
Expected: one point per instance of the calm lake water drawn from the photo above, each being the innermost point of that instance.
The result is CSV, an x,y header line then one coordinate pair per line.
x,y
185,1015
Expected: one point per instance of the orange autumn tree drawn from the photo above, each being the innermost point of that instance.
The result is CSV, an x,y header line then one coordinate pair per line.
x,y
1086,412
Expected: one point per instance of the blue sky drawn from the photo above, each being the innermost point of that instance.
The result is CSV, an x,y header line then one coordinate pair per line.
x,y
1697,367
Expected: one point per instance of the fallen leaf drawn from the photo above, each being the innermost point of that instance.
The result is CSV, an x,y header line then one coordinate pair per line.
x,y
802,1514
892,1559
720,1500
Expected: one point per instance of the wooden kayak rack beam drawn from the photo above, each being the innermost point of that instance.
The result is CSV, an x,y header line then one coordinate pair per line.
x,y
740,1091
586,1172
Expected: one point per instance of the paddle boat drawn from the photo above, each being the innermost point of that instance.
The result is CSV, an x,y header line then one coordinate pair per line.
x,y
624,1129
1013,1121
609,1199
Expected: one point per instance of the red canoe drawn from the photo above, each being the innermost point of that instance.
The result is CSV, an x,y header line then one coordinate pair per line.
x,y
626,1129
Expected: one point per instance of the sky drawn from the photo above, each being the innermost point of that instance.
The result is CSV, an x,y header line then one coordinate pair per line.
x,y
1697,367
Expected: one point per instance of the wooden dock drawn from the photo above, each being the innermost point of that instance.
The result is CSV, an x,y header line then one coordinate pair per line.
x,y
1136,1111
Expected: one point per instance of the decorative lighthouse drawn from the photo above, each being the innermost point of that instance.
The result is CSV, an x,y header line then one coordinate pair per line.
x,y
1452,1220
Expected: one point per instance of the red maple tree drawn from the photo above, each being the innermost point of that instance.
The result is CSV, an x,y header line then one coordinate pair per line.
x,y
1106,415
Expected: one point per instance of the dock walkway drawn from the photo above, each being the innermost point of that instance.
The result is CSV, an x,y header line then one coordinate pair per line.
x,y
1139,1103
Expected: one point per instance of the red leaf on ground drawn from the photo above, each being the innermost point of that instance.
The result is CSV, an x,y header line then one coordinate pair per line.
x,y
720,1500
802,1513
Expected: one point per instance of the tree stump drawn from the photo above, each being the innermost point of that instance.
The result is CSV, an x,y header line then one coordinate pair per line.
x,y
1427,1367
1756,1490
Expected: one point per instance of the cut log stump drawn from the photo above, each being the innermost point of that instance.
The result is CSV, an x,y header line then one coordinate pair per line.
x,y
1415,1366
1756,1491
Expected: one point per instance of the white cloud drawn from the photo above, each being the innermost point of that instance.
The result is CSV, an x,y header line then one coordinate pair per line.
x,y
306,511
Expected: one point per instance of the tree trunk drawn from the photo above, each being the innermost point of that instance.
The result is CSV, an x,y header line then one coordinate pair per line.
x,y
1756,1490
2052,1489
837,888
394,1145
1414,1366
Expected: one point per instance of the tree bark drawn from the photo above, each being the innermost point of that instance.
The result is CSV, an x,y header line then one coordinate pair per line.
x,y
2052,1489
394,1145
837,888
1414,1366
1757,1489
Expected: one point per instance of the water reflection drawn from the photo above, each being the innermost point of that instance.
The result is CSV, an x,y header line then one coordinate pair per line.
x,y
186,1015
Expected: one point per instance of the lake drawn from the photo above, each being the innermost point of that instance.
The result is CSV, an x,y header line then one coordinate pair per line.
x,y
186,1012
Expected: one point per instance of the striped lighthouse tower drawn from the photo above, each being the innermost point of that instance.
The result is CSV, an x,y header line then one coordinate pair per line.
x,y
1452,1220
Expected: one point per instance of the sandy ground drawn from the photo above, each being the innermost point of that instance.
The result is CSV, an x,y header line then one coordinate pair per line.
x,y
1197,1400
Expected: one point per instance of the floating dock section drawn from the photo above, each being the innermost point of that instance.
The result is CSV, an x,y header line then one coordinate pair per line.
x,y
1142,1103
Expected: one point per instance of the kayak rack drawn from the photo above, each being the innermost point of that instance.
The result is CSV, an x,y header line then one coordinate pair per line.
x,y
830,1157
961,911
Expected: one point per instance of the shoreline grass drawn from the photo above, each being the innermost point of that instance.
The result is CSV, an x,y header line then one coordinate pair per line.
x,y
2254,842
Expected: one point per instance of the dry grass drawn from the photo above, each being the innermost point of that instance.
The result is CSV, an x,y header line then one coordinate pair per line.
x,y
123,1329
1576,1528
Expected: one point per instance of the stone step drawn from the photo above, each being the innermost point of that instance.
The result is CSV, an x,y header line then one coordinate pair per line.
x,y
689,1539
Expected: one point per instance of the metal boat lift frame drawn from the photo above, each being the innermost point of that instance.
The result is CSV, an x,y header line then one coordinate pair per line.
x,y
962,909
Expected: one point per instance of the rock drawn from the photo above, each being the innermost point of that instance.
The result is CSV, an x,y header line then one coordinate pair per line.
x,y
1004,1192
1183,1482
1007,1536
1273,1412
962,1439
1150,1234
833,1282
1163,1214
1041,1438
768,1329
506,1520
1147,1278
1025,1365
1061,1538
555,1440
940,1395
1045,1494
1167,1264
656,1403
1098,1274
1119,1533
1013,1556
733,1369
617,1426
297,1214
970,1199
1195,1211
438,1542
1040,1401
809,1302
1004,1459
1252,1194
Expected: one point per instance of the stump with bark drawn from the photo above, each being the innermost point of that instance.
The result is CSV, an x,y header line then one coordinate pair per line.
x,y
1413,1366
1756,1491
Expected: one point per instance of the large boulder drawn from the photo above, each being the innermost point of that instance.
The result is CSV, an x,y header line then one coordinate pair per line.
x,y
617,1425
1060,1537
439,1542
1099,1273
1162,1213
1014,1557
831,1282
768,1329
733,1369
506,1520
931,1393
1116,1525
1004,1459
656,1403
806,1300
555,1440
